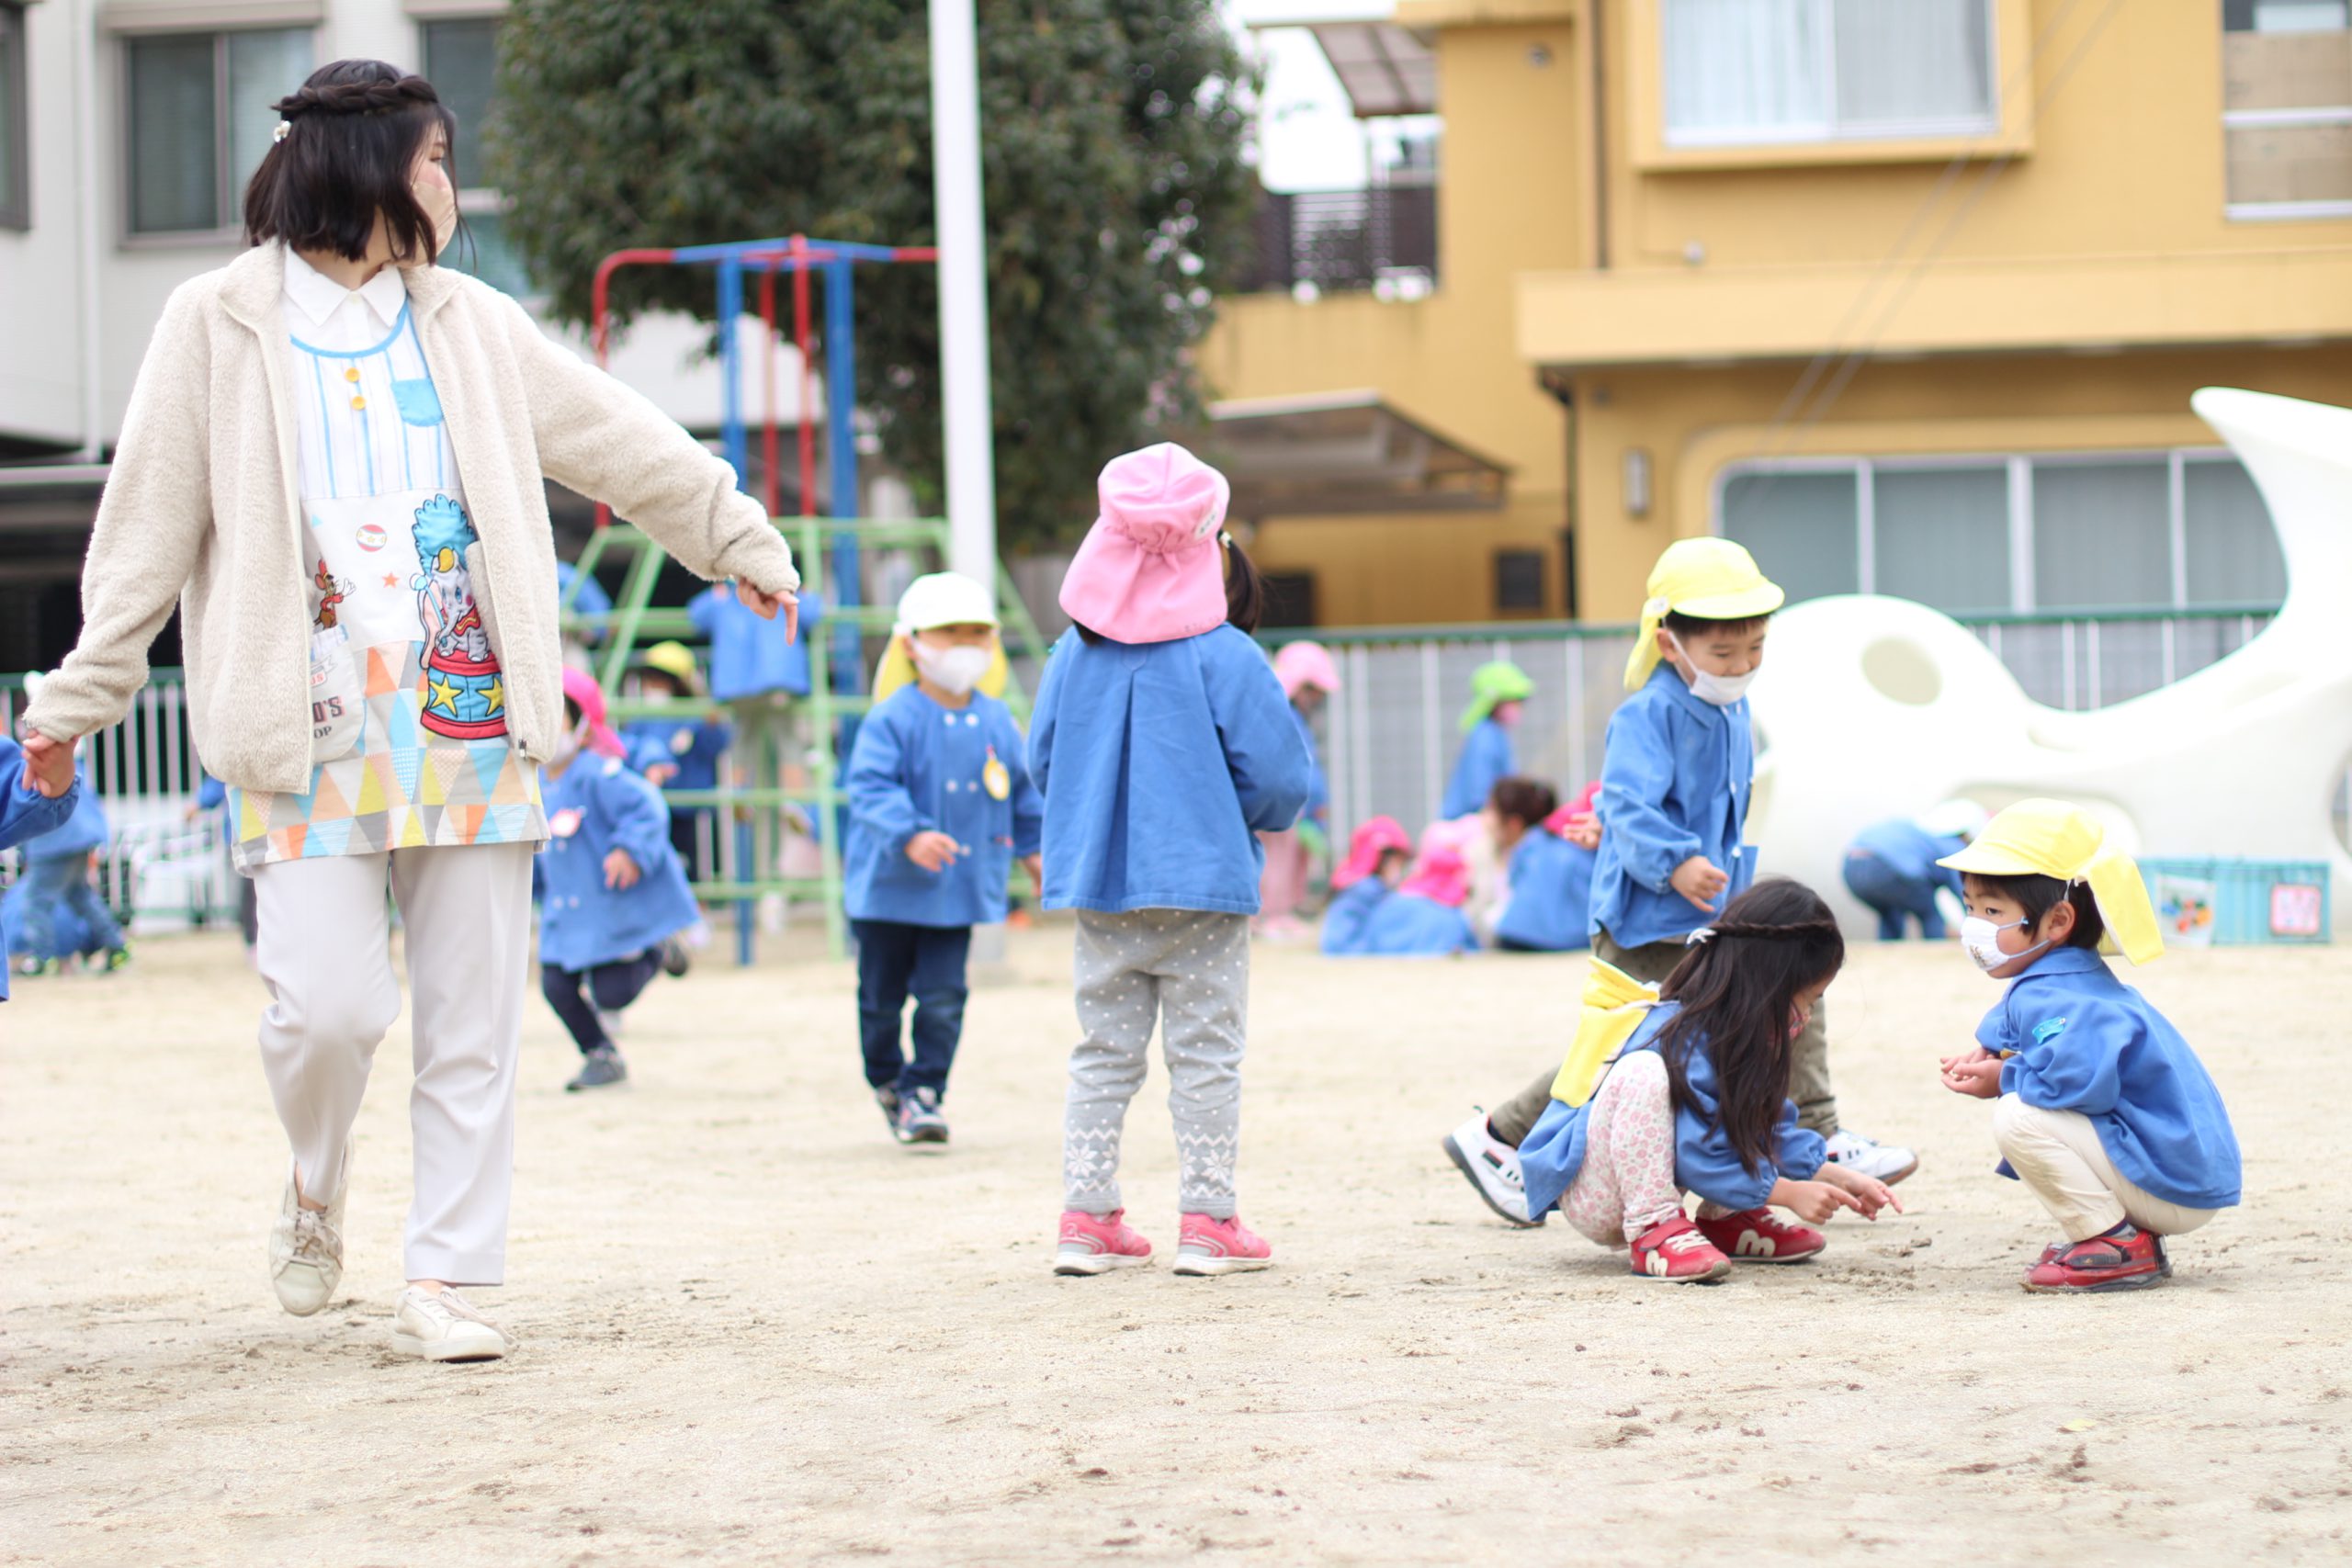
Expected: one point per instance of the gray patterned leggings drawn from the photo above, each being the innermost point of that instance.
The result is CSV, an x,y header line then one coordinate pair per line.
x,y
1189,970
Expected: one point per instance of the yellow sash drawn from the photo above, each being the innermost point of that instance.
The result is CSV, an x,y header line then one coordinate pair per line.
x,y
1615,1005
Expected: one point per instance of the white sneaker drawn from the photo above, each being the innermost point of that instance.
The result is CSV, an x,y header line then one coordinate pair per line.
x,y
1866,1156
441,1326
1492,1167
305,1249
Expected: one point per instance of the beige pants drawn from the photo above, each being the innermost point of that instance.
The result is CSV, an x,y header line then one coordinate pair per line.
x,y
325,951
2057,1154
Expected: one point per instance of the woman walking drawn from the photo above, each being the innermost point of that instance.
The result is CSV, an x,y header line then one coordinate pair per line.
x,y
333,458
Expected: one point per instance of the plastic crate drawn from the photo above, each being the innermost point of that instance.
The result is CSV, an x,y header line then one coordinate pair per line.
x,y
2239,903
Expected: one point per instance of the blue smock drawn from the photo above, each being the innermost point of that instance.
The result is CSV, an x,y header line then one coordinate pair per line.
x,y
1674,783
1410,925
1705,1161
1161,764
85,827
1486,758
919,767
26,813
2084,1040
589,600
1345,917
595,806
1550,894
751,657
690,745
1318,789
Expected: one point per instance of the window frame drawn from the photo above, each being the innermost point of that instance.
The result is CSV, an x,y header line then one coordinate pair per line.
x,y
231,228
1529,560
17,217
473,201
2019,466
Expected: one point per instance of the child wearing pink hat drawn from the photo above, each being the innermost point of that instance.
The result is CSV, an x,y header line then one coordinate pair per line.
x,y
1423,918
1163,746
1377,858
1308,678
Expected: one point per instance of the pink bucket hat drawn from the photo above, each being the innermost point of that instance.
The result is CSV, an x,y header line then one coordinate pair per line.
x,y
581,688
1442,877
1300,664
1374,839
1150,569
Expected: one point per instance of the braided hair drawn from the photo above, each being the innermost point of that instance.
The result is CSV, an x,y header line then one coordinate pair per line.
x,y
1738,986
346,155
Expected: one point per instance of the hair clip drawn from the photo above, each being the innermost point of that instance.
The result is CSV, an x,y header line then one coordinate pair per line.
x,y
1225,539
278,134
1703,934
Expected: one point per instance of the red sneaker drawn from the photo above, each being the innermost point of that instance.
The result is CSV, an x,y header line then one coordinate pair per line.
x,y
1676,1249
1760,1235
2110,1262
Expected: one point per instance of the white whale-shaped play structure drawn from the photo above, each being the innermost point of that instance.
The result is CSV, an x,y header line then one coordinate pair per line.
x,y
1875,707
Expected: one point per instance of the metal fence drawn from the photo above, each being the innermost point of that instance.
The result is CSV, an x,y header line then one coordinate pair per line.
x,y
1340,240
1388,739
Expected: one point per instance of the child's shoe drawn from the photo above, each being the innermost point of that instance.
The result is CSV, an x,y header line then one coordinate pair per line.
x,y
886,1096
1096,1244
2125,1259
1206,1246
1492,1167
675,960
1759,1235
1676,1249
598,1068
919,1121
1867,1156
112,959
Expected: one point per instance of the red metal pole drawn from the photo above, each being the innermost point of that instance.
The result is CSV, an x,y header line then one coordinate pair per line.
x,y
800,339
774,486
600,292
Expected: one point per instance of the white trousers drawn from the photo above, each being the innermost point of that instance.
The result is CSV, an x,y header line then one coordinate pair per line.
x,y
325,953
2057,1154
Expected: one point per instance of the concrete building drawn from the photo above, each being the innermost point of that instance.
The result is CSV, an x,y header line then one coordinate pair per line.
x,y
128,129
1908,298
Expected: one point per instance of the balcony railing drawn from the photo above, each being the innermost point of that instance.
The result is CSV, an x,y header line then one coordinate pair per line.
x,y
1335,241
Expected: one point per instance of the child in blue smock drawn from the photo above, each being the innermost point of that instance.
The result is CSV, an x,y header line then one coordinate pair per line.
x,y
1890,867
940,806
613,897
58,898
2102,1109
1675,787
1549,907
676,752
1423,918
1696,1100
1163,746
1309,679
1497,691
1378,856
751,657
26,813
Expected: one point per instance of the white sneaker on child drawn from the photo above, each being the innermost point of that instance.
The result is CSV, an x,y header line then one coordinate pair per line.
x,y
1492,1167
1867,1156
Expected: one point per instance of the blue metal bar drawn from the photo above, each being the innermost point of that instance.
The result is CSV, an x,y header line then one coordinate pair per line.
x,y
731,417
840,454
741,250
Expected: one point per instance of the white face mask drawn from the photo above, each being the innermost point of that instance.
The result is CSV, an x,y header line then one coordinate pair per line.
x,y
567,744
1982,940
953,670
1708,687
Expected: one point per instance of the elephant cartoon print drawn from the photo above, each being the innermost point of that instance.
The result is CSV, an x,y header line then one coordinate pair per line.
x,y
465,696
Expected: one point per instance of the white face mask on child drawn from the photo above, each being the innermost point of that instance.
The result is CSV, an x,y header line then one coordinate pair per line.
x,y
1709,687
1982,940
567,744
953,670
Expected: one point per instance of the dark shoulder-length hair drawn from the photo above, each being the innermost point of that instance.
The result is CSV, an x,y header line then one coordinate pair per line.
x,y
1738,989
354,130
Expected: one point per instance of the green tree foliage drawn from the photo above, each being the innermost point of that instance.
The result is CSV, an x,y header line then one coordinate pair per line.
x,y
1117,195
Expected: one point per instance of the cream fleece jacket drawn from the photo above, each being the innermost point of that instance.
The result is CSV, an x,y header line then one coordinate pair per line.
x,y
201,506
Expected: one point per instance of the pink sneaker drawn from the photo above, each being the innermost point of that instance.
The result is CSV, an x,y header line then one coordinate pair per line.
x,y
1219,1247
1096,1244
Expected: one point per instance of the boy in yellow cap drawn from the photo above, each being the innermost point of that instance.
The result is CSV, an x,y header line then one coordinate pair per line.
x,y
2103,1109
1675,782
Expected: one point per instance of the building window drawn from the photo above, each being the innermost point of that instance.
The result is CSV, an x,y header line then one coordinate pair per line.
x,y
2287,107
200,122
1290,598
462,61
2178,530
15,123
1519,581
1791,71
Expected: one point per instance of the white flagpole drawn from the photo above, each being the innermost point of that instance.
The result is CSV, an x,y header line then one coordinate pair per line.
x,y
963,290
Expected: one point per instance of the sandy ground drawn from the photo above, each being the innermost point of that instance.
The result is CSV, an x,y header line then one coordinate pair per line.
x,y
755,1329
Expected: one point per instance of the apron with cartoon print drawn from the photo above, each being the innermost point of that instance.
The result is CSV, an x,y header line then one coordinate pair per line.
x,y
408,707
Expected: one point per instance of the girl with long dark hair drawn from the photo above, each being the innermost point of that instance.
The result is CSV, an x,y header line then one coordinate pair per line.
x,y
1698,1102
333,461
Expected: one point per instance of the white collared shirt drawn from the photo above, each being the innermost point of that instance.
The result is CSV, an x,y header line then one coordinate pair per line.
x,y
324,314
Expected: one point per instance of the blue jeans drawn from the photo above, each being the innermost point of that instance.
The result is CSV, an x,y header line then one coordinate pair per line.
x,y
896,961
1894,895
63,881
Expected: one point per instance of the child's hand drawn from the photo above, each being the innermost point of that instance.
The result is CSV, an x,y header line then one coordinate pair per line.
x,y
932,851
1869,1193
620,872
1974,1053
1583,831
1813,1201
660,773
1982,1079
1036,866
1698,880
49,766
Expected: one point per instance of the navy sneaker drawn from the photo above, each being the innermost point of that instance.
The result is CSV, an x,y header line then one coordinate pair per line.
x,y
675,960
919,1121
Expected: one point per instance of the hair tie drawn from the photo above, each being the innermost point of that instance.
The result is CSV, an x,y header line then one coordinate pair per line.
x,y
278,132
1225,539
1703,934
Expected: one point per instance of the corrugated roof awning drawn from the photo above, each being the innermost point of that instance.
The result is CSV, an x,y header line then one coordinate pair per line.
x,y
1386,69
1331,452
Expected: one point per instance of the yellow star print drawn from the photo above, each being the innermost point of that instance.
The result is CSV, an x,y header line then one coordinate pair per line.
x,y
495,693
443,694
